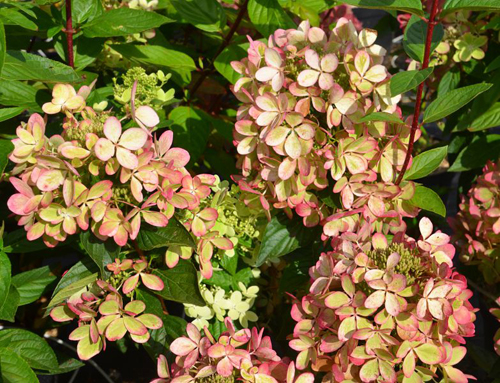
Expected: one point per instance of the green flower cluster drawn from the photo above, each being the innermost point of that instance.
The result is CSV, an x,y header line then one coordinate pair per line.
x,y
149,88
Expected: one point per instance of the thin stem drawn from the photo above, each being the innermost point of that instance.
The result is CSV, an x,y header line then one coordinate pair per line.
x,y
69,34
482,291
138,249
223,46
431,23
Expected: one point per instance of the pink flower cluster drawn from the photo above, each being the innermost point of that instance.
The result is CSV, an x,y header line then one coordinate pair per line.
x,y
477,225
102,316
97,175
380,311
301,135
244,354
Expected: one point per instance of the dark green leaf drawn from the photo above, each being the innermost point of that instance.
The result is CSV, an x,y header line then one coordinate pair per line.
x,y
16,242
3,46
32,348
428,199
10,305
415,36
283,235
230,263
151,237
477,153
223,61
381,116
425,163
102,252
495,64
411,6
80,275
17,93
5,277
207,15
267,16
404,81
448,82
8,113
450,102
26,66
14,369
220,278
173,326
161,57
181,283
191,127
217,328
123,22
6,147
489,119
66,364
471,5
85,50
32,284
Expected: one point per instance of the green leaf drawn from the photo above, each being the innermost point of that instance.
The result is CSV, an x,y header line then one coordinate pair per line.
x,y
283,235
191,127
5,277
223,61
85,50
80,275
495,64
25,66
3,47
415,36
102,252
471,5
151,237
29,346
267,16
16,242
86,10
207,15
217,328
448,82
66,364
477,153
173,326
489,119
230,264
181,283
404,81
14,369
428,199
10,305
17,93
381,116
32,284
11,16
123,22
8,113
180,64
6,147
411,6
425,163
220,278
450,102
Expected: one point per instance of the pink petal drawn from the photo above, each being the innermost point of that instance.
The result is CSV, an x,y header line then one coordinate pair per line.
x,y
126,158
133,139
152,282
104,149
112,129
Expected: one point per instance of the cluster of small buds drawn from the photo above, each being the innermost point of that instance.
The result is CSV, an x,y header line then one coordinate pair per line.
x,y
477,224
102,316
98,176
380,311
300,131
236,304
243,355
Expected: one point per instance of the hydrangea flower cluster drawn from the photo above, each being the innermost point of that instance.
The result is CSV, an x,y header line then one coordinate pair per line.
x,y
102,314
385,311
97,175
477,225
301,134
244,355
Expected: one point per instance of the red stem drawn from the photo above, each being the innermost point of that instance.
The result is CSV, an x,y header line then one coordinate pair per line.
x,y
69,34
431,23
